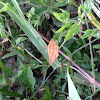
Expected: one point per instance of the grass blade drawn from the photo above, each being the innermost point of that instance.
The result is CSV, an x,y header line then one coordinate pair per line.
x,y
73,95
30,31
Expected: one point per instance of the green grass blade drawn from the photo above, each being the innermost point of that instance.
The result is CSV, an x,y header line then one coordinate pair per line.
x,y
73,95
30,32
4,68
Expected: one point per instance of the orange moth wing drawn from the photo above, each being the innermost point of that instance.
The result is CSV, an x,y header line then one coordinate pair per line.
x,y
52,51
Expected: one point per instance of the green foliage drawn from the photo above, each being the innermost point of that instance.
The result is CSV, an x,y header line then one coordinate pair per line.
x,y
47,95
25,69
10,54
72,90
87,8
4,8
73,31
2,79
88,33
96,46
20,39
5,91
63,28
2,32
97,34
5,69
63,17
27,77
30,31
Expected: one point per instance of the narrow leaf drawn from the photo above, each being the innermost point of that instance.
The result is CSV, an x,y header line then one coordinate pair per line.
x,y
4,68
4,8
1,96
2,79
5,91
97,46
73,95
47,94
30,31
89,33
60,4
20,39
63,27
73,31
9,54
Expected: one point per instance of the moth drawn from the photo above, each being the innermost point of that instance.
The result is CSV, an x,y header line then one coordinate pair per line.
x,y
52,51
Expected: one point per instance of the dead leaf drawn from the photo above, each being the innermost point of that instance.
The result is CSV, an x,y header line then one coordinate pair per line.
x,y
52,51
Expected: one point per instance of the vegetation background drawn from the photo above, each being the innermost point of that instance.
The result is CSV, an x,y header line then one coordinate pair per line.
x,y
26,27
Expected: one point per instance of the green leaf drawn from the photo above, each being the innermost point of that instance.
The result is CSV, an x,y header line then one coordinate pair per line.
x,y
73,31
97,34
4,8
2,79
68,52
28,78
60,4
79,13
64,86
63,27
73,95
1,96
10,54
97,46
88,33
87,8
47,94
2,31
32,11
4,68
5,91
81,79
63,17
56,36
20,39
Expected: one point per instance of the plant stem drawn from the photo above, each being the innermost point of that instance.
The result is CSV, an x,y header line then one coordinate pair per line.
x,y
84,46
93,72
86,74
42,84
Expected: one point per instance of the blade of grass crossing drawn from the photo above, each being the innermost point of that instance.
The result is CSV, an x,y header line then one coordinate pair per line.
x,y
73,95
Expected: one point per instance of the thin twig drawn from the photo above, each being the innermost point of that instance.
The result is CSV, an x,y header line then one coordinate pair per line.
x,y
93,72
79,72
51,2
42,84
84,46
86,74
24,48
59,91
